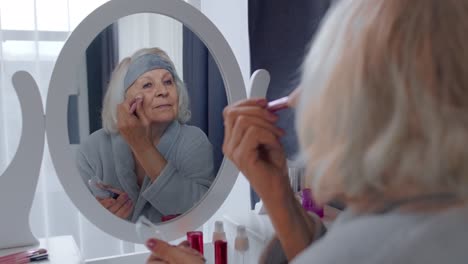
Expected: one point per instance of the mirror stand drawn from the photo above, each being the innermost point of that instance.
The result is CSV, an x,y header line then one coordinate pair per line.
x,y
18,183
259,82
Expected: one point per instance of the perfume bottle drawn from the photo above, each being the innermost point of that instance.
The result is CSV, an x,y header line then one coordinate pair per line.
x,y
241,245
219,233
308,203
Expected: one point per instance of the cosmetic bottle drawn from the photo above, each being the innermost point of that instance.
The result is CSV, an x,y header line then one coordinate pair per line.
x,y
195,239
166,218
241,245
221,256
309,205
218,233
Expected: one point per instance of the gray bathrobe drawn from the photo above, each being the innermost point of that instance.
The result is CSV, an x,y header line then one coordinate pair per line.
x,y
185,179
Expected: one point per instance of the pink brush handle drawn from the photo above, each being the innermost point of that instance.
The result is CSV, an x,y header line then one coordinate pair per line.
x,y
278,104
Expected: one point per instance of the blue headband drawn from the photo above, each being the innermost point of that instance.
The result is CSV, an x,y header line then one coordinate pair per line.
x,y
145,63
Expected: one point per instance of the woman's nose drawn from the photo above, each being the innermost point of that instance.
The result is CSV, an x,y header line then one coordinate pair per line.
x,y
161,91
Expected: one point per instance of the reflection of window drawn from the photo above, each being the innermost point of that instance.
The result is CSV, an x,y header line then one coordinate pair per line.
x,y
45,15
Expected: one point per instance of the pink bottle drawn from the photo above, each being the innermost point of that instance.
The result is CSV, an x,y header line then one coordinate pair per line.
x,y
308,203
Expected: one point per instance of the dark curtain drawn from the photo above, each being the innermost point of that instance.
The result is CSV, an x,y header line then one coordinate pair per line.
x,y
206,91
280,32
101,58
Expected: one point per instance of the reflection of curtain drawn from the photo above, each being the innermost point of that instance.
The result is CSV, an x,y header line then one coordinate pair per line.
x,y
101,58
31,36
279,33
206,91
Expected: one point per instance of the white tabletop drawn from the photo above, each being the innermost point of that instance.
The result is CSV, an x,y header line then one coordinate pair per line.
x,y
61,249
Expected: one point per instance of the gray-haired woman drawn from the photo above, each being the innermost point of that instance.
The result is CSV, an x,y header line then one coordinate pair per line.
x,y
145,152
383,122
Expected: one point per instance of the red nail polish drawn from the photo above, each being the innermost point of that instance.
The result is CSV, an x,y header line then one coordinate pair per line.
x,y
195,239
221,252
262,102
151,243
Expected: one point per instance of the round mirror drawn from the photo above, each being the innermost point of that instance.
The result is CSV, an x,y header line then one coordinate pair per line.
x,y
108,157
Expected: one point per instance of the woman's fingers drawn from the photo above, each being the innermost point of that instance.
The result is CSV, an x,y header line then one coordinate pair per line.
x,y
252,108
126,110
242,123
125,210
185,246
134,103
119,202
171,254
184,243
155,260
261,158
231,113
106,202
248,149
140,111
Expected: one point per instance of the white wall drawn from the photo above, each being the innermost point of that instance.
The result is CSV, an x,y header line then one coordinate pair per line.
x,y
231,18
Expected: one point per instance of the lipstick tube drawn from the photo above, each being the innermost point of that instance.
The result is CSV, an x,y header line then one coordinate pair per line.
x,y
195,239
221,252
15,257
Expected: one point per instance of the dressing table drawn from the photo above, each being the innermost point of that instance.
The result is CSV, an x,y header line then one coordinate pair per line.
x,y
61,249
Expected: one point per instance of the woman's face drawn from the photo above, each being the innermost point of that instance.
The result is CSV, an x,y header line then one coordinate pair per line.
x,y
159,92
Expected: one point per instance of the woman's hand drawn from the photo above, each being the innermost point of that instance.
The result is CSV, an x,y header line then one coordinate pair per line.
x,y
251,141
133,124
162,252
121,207
135,127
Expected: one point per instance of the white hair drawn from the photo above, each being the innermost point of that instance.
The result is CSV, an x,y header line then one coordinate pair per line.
x,y
384,98
115,93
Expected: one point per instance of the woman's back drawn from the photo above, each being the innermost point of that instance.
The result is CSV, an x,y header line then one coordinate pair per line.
x,y
393,238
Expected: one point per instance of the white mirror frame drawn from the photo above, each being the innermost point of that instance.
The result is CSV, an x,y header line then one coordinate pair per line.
x,y
65,70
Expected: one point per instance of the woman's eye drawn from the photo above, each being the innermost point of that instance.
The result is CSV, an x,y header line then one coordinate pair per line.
x,y
147,85
168,82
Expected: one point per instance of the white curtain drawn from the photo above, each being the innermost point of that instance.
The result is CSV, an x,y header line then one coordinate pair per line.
x,y
32,32
151,30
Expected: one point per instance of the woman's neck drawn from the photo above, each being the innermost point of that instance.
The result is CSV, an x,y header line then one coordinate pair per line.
x,y
157,131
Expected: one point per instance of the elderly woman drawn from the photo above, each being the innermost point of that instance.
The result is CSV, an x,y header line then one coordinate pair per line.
x,y
383,124
145,152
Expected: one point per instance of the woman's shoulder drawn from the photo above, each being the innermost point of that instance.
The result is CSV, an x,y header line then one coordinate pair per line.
x,y
98,139
191,132
393,238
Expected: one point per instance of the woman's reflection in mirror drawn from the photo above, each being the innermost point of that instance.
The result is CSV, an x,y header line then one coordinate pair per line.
x,y
146,152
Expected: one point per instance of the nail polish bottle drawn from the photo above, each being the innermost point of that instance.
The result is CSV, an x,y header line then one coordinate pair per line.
x,y
309,205
219,233
221,256
241,245
195,239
